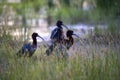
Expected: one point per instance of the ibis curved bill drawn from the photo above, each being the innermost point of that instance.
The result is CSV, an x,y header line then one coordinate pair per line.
x,y
41,38
65,26
45,43
76,35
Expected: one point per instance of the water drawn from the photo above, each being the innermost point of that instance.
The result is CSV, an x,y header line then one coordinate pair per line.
x,y
81,30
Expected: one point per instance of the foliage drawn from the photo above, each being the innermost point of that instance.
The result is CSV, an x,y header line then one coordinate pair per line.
x,y
108,7
94,66
105,7
50,4
113,28
65,2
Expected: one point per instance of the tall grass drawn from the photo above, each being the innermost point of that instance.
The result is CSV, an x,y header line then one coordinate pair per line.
x,y
100,65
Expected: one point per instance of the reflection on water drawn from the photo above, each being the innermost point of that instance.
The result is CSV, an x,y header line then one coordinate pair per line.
x,y
82,30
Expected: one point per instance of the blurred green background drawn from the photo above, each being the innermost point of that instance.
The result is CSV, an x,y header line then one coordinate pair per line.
x,y
27,13
19,18
97,59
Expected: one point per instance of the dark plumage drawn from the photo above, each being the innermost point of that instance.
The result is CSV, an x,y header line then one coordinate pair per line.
x,y
29,49
69,42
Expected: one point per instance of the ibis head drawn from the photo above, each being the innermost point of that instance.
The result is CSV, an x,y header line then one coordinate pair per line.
x,y
59,23
69,33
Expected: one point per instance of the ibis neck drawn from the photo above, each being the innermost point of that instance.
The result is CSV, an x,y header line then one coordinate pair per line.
x,y
34,41
71,40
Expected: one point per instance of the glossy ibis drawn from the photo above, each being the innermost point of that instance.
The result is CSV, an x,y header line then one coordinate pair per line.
x,y
57,36
69,42
64,46
29,49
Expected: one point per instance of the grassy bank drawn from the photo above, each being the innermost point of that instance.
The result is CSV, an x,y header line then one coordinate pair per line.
x,y
94,66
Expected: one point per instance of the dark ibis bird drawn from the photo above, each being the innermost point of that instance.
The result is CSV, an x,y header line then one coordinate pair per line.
x,y
57,36
29,49
62,48
65,46
69,41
